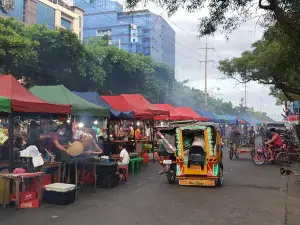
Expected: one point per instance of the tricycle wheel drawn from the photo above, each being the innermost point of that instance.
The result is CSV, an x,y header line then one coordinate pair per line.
x,y
283,159
171,176
259,158
219,182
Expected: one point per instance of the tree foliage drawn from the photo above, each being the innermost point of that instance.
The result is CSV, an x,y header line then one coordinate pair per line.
x,y
274,60
228,14
49,57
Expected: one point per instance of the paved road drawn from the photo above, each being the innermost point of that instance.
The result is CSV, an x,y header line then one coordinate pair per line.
x,y
251,195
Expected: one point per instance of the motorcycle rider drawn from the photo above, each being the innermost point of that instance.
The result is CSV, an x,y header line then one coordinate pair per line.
x,y
274,142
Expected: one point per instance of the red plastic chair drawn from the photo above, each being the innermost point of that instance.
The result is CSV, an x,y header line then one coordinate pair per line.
x,y
124,168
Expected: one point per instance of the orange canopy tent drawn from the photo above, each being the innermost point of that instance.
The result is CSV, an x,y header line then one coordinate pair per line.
x,y
139,102
23,100
120,104
173,115
189,112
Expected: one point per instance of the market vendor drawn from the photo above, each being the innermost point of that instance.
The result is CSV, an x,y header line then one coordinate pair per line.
x,y
87,137
61,141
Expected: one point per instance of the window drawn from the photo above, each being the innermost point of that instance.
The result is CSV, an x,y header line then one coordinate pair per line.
x,y
45,15
133,40
66,23
80,19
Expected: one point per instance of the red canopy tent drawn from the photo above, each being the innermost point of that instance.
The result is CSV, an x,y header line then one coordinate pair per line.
x,y
23,100
173,114
138,101
189,112
119,103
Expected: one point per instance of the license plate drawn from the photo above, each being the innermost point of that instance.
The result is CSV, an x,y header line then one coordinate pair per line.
x,y
167,162
197,182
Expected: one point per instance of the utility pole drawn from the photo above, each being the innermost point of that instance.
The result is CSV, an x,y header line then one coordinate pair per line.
x,y
245,95
205,67
119,43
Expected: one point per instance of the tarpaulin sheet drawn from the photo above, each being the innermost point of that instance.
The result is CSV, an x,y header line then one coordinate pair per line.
x,y
173,114
119,103
96,99
61,95
210,116
23,100
232,120
5,104
139,102
187,111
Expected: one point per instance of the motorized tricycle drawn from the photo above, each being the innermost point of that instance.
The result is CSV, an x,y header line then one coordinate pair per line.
x,y
190,164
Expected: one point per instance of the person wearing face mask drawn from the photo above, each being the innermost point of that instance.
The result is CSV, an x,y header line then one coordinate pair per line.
x,y
60,141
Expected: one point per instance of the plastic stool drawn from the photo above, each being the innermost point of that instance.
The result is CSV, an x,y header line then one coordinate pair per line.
x,y
139,161
125,168
131,166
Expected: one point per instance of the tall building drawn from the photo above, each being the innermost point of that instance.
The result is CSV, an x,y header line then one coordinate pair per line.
x,y
52,13
135,31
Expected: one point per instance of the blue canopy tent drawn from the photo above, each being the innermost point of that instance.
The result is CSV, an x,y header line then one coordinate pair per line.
x,y
210,116
96,99
231,120
251,120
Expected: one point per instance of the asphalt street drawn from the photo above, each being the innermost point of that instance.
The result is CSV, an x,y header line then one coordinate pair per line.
x,y
250,195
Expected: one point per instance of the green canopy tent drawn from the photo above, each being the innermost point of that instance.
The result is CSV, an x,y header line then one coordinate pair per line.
x,y
59,94
5,105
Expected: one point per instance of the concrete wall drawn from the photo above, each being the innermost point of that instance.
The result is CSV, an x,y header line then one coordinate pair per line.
x,y
73,15
30,11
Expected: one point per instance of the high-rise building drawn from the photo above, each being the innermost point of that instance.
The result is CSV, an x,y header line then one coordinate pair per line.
x,y
136,31
52,13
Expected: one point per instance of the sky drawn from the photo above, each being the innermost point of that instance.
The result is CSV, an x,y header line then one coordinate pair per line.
x,y
188,52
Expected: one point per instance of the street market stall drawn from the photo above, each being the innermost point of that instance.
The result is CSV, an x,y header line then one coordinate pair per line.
x,y
16,100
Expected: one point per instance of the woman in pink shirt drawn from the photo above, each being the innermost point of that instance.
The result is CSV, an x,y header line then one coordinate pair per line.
x,y
274,142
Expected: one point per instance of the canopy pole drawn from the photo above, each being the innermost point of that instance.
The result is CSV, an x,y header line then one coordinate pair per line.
x,y
152,137
11,140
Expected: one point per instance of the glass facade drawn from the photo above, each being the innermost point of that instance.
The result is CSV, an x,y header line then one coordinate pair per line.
x,y
136,32
66,23
45,15
18,12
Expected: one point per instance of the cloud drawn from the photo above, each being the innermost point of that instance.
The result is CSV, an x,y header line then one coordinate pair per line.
x,y
188,52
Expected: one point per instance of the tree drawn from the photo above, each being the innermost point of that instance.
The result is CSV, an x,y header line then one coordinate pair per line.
x,y
15,48
47,57
273,61
228,14
131,73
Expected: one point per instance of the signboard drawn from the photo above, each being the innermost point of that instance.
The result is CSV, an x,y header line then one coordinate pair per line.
x,y
133,33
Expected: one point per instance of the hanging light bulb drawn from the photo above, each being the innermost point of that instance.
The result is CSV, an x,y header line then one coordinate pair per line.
x,y
80,125
95,122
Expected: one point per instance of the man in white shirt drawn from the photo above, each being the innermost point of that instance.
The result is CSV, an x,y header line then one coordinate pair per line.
x,y
148,132
124,156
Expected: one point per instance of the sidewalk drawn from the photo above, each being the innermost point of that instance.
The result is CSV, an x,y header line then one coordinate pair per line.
x,y
292,200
